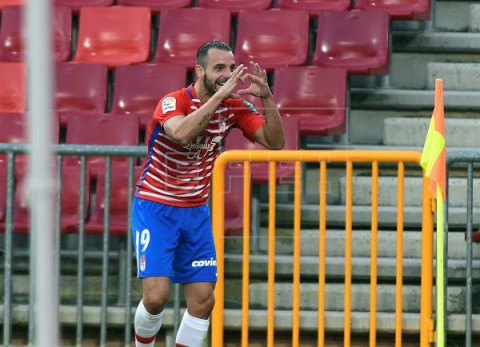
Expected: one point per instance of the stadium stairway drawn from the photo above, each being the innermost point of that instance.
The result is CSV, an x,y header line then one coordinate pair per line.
x,y
388,117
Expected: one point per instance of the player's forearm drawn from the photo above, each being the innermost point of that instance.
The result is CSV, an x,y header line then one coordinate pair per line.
x,y
274,131
194,124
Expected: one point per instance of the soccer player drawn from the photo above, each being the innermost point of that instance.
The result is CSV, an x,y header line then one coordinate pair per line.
x,y
171,222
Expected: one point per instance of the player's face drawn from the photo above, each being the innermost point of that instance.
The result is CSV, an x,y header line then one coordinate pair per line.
x,y
218,69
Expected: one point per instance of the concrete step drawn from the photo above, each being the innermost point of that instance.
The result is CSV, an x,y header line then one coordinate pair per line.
x,y
361,243
387,216
334,321
418,100
435,42
360,297
409,70
335,267
456,76
412,131
387,195
474,18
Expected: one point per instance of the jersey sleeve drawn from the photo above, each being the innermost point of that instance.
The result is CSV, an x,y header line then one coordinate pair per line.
x,y
247,118
169,106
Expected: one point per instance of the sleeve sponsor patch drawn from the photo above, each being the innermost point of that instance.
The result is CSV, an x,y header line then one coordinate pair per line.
x,y
250,106
169,104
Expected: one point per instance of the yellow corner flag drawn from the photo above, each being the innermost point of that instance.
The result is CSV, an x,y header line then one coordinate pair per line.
x,y
433,162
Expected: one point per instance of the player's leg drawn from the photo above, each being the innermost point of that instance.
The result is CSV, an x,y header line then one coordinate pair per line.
x,y
149,313
196,319
196,267
155,237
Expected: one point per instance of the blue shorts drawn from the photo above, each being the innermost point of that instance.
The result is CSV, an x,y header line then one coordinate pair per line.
x,y
175,242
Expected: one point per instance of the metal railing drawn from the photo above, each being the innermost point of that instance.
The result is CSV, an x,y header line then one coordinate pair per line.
x,y
467,159
323,158
108,314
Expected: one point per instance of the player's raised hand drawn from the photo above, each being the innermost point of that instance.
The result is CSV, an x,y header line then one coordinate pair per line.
x,y
238,76
259,85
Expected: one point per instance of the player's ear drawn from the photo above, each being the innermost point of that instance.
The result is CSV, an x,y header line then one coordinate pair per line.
x,y
199,71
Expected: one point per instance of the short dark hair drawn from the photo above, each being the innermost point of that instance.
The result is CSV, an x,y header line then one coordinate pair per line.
x,y
203,50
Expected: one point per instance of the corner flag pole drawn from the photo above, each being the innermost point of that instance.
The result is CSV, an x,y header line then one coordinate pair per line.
x,y
433,162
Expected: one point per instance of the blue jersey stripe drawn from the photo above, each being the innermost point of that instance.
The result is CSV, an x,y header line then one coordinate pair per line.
x,y
155,133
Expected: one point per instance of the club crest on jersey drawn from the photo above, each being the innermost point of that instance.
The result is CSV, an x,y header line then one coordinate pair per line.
x,y
169,104
143,262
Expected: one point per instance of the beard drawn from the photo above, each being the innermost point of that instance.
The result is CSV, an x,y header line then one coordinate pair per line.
x,y
210,86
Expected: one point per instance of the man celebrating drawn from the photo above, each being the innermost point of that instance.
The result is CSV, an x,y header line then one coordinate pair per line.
x,y
171,222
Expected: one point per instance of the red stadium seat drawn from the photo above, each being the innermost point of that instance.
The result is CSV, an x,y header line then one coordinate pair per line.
x,y
157,5
119,130
263,37
138,88
119,195
80,88
317,96
4,3
398,9
13,128
355,40
78,4
236,140
314,7
182,31
113,35
235,6
12,87
70,214
11,40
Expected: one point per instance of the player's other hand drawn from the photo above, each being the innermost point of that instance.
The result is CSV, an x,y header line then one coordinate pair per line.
x,y
259,85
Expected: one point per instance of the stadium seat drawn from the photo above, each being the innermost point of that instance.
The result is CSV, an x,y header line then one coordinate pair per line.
x,y
236,140
70,216
80,88
263,37
314,7
11,40
138,88
13,128
113,35
182,31
355,40
78,4
398,9
4,3
235,6
119,195
317,96
157,5
12,87
119,130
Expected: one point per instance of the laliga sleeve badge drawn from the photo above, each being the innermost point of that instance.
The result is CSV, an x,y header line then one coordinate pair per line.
x,y
169,104
143,262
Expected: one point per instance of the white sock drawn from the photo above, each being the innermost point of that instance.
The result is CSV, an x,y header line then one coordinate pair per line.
x,y
192,331
146,326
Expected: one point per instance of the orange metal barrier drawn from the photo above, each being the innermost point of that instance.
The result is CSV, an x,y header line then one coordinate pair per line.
x,y
323,158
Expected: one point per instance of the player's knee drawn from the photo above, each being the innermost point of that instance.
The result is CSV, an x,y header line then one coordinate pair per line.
x,y
205,303
155,300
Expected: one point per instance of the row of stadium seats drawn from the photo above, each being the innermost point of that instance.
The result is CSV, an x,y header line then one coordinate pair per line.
x,y
317,96
355,40
405,9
